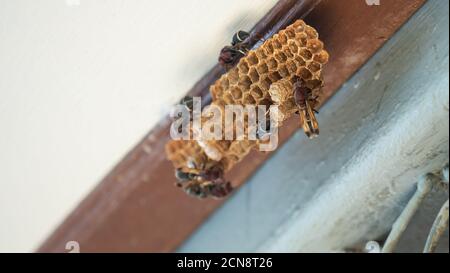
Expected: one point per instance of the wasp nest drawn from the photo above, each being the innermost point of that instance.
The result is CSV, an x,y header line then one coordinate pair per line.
x,y
188,154
265,76
293,52
183,153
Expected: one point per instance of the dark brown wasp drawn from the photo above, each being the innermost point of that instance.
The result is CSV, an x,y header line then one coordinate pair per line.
x,y
204,182
188,101
230,55
214,189
305,103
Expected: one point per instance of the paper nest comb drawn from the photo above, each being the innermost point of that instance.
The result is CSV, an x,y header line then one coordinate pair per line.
x,y
264,76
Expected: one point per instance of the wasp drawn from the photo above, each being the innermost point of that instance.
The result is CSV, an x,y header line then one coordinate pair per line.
x,y
230,55
213,189
188,101
305,103
203,182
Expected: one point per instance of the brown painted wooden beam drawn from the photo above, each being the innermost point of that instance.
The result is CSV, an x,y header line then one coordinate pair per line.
x,y
136,208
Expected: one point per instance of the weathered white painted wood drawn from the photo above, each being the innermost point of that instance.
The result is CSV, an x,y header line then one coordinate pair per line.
x,y
387,126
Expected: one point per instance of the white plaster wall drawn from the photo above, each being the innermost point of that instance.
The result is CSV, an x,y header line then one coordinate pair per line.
x,y
81,82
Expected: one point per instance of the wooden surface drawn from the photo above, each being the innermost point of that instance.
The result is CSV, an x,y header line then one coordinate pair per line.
x,y
347,186
137,208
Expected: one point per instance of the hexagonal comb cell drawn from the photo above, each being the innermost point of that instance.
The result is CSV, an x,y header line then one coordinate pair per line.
x,y
263,77
253,74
